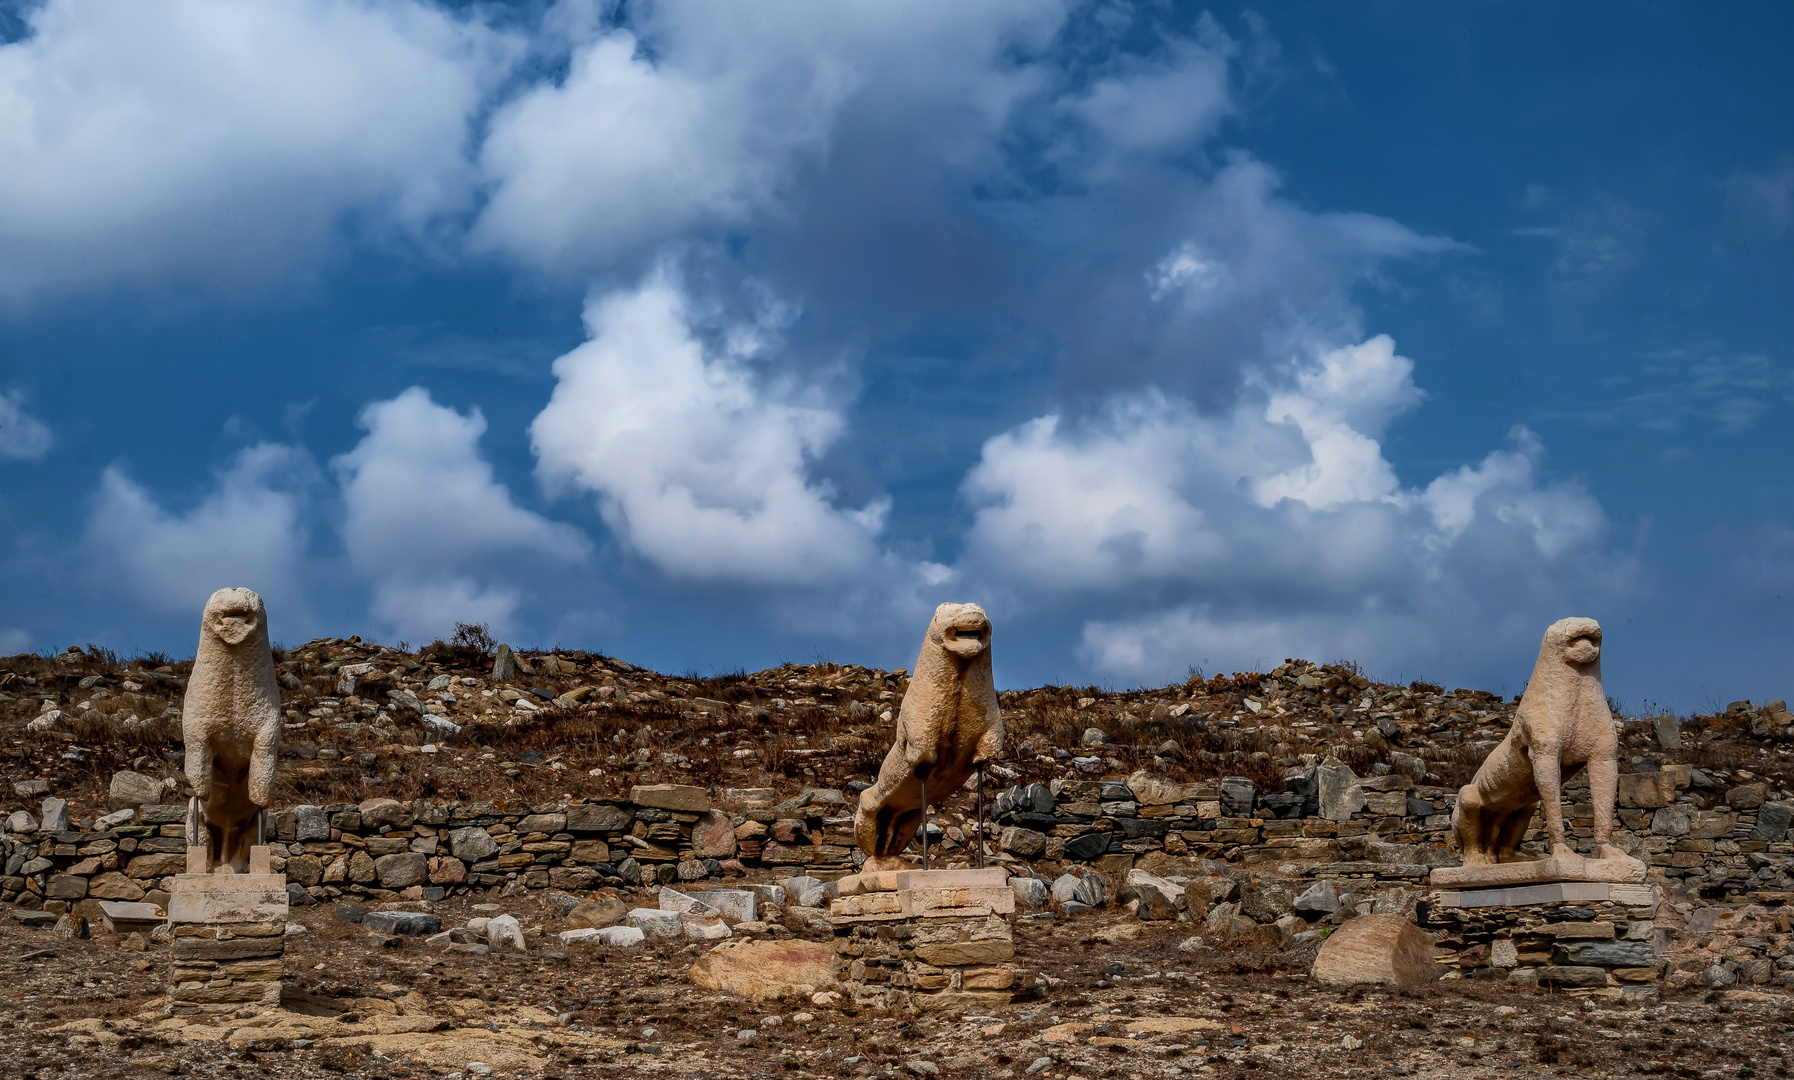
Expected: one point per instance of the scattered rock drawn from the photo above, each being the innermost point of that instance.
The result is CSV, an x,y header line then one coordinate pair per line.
x,y
505,934
134,789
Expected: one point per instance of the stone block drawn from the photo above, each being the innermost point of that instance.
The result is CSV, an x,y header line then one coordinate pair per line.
x,y
543,823
406,923
670,797
736,904
602,818
155,866
113,885
1023,842
1572,976
1341,794
1746,796
1088,847
1773,820
65,887
956,901
1646,790
55,815
472,843
236,948
655,924
310,824
1607,953
713,836
227,898
956,953
402,871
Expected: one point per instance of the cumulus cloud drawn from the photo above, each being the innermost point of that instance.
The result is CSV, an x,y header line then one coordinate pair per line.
x,y
691,117
425,520
250,530
21,434
1278,520
699,464
221,142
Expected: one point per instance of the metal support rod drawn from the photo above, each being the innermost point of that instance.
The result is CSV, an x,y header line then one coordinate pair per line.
x,y
924,821
980,815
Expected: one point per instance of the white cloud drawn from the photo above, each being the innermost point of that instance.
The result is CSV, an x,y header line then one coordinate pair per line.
x,y
14,641
21,434
1278,520
427,609
249,531
699,465
221,142
1149,106
697,116
428,524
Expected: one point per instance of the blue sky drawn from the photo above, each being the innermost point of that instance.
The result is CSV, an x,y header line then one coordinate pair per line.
x,y
715,335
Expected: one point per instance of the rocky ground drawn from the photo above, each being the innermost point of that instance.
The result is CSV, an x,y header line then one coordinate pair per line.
x,y
364,720
1116,996
1126,1002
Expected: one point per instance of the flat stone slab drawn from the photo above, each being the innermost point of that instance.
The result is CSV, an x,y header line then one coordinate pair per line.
x,y
1592,892
227,898
120,917
896,880
1613,871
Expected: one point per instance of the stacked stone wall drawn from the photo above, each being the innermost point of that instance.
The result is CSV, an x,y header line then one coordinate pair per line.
x,y
1327,824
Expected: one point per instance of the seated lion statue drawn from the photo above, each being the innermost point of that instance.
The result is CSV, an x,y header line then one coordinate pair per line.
x,y
1562,726
948,726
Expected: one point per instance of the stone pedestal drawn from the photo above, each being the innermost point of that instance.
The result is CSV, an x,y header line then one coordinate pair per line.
x,y
1574,935
1622,870
229,937
931,939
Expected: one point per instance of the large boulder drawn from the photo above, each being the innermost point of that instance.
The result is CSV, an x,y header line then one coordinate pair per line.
x,y
1384,949
761,970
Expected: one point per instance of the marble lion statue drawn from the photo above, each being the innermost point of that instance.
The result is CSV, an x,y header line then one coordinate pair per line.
x,y
949,725
1561,727
230,723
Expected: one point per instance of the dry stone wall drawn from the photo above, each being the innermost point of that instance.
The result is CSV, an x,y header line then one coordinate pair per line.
x,y
1326,823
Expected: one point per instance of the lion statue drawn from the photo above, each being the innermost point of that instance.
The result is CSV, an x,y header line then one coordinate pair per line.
x,y
1561,727
230,723
949,725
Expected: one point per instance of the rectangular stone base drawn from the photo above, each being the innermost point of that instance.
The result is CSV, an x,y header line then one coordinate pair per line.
x,y
229,938
1615,871
898,880
1557,892
227,898
225,967
1573,935
929,939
